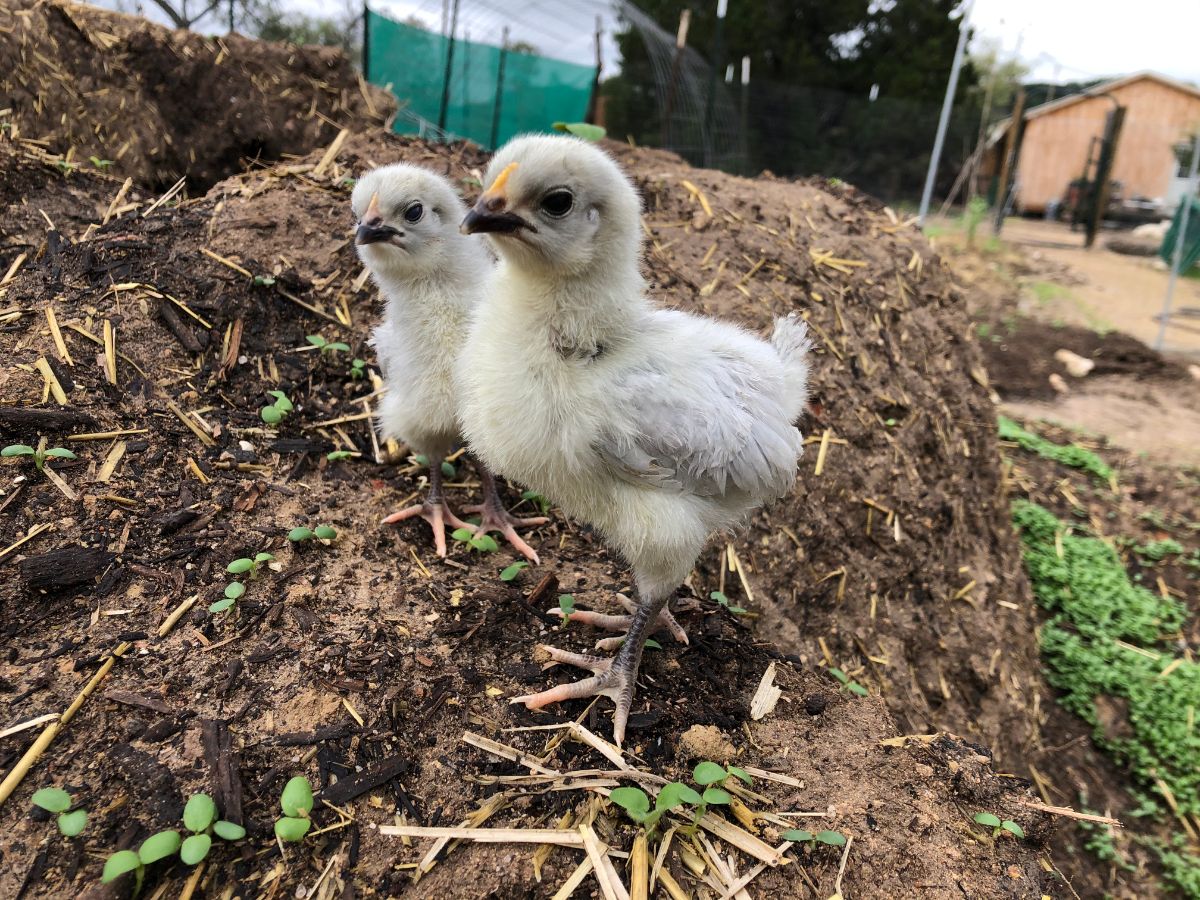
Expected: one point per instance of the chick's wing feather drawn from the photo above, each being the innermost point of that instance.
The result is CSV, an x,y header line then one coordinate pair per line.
x,y
698,408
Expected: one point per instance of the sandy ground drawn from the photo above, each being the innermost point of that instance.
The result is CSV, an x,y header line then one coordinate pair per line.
x,y
1115,291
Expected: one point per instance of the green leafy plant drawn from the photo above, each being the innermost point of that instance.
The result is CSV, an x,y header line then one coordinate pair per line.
x,y
263,280
566,605
66,167
976,209
712,778
296,801
511,572
582,130
154,848
636,802
852,686
303,534
277,411
800,836
339,455
476,540
448,469
39,455
537,499
327,347
1066,454
57,801
722,600
991,820
1159,550
99,163
247,566
233,593
358,369
200,818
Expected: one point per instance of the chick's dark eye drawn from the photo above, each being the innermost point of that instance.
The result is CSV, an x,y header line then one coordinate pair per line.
x,y
413,214
558,203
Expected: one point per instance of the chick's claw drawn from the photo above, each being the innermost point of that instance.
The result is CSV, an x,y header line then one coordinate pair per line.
x,y
437,514
494,517
621,623
614,678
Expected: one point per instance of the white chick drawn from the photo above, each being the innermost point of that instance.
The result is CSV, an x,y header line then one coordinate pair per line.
x,y
656,427
431,278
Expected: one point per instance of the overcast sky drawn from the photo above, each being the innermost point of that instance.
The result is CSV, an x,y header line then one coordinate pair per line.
x,y
1067,39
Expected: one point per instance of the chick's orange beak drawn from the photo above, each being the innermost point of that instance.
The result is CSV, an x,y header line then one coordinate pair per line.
x,y
490,214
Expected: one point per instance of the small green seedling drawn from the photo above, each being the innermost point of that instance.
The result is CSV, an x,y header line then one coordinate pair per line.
x,y
476,540
534,497
582,130
233,592
711,777
264,280
566,605
200,818
277,411
39,455
156,847
799,836
358,369
327,347
56,800
724,601
321,533
66,167
339,455
99,163
852,686
248,566
990,820
448,469
296,801
636,802
510,573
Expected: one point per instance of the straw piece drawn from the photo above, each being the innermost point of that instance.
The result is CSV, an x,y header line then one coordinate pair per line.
x,y
561,837
205,437
63,353
767,695
176,614
743,840
31,723
512,754
611,887
571,884
56,389
331,153
33,532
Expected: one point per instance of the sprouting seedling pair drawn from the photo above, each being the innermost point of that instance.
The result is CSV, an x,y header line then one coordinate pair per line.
x,y
358,369
537,499
199,818
800,836
99,163
724,601
327,347
510,573
712,777
849,684
39,455
991,820
339,455
447,467
476,540
566,605
277,411
235,589
55,800
636,803
302,534
296,801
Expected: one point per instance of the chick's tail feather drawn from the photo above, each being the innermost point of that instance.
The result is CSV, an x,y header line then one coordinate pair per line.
x,y
792,343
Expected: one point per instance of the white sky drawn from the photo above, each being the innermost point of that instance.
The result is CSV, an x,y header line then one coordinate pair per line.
x,y
1096,38
1086,38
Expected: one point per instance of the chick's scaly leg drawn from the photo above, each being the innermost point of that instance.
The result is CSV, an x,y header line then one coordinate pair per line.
x,y
433,510
496,518
621,623
615,678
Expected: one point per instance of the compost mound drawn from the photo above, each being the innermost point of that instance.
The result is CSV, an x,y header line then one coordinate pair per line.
x,y
362,664
162,104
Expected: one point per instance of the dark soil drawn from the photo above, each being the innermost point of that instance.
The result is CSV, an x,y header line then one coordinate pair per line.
x,y
896,563
1020,357
1153,503
161,104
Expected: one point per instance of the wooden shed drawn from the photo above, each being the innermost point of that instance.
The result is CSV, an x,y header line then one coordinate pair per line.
x,y
1160,113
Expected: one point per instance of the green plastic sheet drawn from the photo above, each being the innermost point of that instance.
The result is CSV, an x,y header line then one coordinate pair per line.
x,y
534,91
1191,241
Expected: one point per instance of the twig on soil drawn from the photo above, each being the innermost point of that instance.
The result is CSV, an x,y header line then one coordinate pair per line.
x,y
38,747
189,886
33,532
505,752
560,837
110,352
165,628
837,885
308,306
228,263
14,268
574,881
56,389
105,435
822,451
56,480
171,192
1070,813
116,201
56,334
205,437
610,883
31,723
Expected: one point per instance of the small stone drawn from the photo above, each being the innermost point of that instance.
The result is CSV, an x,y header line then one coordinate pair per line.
x,y
815,704
706,742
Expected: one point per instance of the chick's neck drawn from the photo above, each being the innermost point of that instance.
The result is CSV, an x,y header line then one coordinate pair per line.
x,y
584,314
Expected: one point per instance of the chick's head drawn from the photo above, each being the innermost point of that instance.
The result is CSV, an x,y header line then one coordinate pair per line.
x,y
407,220
560,203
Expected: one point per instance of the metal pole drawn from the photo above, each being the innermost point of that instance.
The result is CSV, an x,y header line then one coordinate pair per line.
x,y
1180,237
718,52
499,89
944,120
445,107
366,44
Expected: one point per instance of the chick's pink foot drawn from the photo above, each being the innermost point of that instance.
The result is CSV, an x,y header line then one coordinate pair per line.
x,y
614,678
437,514
621,623
494,517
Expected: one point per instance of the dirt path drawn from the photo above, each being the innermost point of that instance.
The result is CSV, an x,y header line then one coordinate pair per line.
x,y
1113,290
